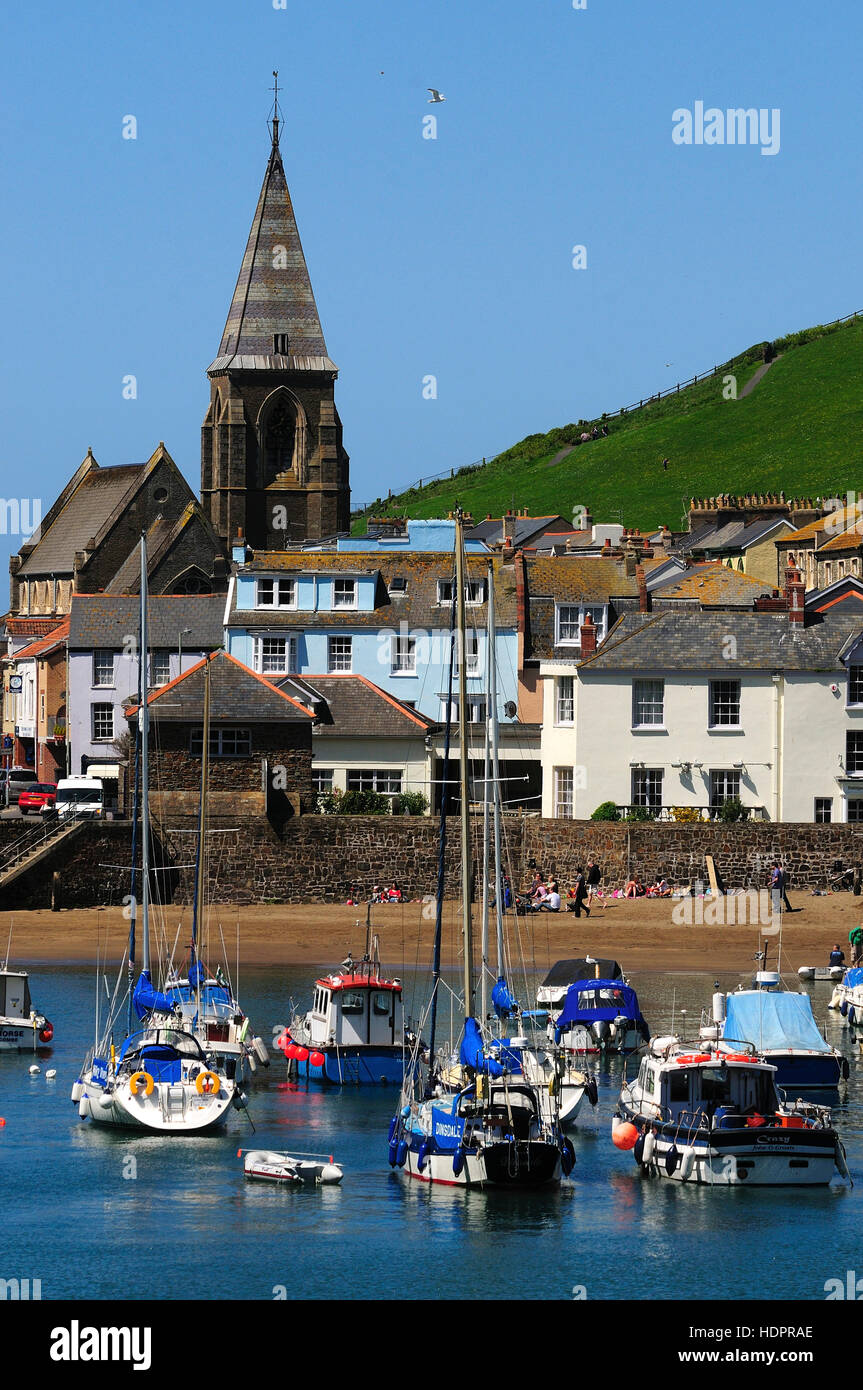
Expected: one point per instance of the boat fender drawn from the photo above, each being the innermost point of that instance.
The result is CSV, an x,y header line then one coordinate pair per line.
x,y
852,1017
261,1051
591,1091
649,1145
253,1063
567,1157
553,1086
83,1108
78,1090
638,1150
843,1008
208,1083
46,1033
841,1162
316,1059
458,1161
394,1122
671,1159
141,1078
687,1162
402,1153
423,1155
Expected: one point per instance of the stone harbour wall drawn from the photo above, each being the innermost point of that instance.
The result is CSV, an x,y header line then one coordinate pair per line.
x,y
329,858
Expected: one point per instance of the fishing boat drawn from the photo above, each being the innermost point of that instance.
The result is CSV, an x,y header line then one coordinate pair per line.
x,y
160,1078
314,1170
848,996
22,1028
697,1113
781,1027
355,1032
491,1131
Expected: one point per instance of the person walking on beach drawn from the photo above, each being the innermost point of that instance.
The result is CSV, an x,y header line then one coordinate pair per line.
x,y
580,894
593,878
778,895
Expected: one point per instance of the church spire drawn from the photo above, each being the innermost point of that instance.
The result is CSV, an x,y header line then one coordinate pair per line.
x,y
273,314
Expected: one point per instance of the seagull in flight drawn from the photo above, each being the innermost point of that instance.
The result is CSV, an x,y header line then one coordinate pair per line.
x,y
435,95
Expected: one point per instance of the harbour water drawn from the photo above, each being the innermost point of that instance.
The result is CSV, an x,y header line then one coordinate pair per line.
x,y
99,1214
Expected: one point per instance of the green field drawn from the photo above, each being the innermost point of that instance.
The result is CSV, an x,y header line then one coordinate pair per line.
x,y
798,431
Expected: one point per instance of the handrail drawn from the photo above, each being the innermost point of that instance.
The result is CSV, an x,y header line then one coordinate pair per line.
x,y
35,836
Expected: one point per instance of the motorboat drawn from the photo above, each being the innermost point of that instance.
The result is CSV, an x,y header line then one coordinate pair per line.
x,y
600,1015
781,1027
551,994
314,1170
22,1028
848,996
697,1113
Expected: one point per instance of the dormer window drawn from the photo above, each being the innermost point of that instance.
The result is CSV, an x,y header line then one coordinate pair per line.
x,y
344,593
280,344
398,584
276,593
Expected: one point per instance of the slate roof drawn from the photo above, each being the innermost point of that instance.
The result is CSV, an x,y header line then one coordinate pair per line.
x,y
98,494
107,620
846,540
272,299
527,528
417,605
686,641
236,694
354,707
712,583
725,536
572,579
845,516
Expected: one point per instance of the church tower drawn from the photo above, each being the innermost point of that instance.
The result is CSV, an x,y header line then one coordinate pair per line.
x,y
272,463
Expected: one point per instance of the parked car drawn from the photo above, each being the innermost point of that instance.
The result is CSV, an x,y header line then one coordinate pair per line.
x,y
37,797
14,780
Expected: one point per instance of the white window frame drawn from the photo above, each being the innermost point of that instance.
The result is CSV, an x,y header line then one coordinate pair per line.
x,y
338,607
712,722
284,592
598,613
476,707
218,740
403,654
854,666
445,589
102,738
106,654
823,804
379,779
641,701
333,667
289,666
472,650
564,793
564,705
729,775
322,779
651,780
165,654
474,593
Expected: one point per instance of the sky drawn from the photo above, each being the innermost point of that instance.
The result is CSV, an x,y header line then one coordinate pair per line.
x,y
448,258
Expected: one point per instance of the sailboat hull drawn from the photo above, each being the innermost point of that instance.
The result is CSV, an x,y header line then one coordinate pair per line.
x,y
168,1110
526,1164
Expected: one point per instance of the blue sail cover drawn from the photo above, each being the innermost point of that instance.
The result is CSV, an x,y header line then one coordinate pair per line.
x,y
471,1053
197,974
502,999
591,1001
853,977
146,997
773,1022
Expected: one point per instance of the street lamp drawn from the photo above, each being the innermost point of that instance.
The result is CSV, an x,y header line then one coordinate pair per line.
x,y
186,632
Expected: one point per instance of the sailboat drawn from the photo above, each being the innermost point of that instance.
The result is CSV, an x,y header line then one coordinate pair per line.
x,y
161,1078
491,1130
206,1001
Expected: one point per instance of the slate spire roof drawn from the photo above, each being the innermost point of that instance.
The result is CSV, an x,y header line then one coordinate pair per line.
x,y
274,297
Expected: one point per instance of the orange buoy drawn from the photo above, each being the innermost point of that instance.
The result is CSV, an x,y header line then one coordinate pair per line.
x,y
624,1136
317,1059
301,1054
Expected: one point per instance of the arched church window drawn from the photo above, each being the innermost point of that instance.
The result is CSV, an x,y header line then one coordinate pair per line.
x,y
193,582
279,439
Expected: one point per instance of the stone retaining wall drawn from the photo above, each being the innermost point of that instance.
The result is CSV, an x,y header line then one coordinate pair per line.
x,y
329,858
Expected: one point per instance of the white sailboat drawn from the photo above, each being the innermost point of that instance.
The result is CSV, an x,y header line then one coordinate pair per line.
x,y
161,1078
491,1131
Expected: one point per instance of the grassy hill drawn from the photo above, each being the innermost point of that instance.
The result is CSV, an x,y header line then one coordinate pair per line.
x,y
799,431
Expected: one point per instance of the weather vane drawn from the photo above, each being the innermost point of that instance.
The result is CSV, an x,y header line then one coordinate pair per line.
x,y
275,90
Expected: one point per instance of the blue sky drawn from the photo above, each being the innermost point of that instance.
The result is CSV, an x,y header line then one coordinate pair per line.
x,y
449,257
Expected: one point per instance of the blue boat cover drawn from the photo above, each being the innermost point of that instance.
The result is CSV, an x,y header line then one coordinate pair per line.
x,y
197,974
580,1007
502,999
146,997
471,1053
772,1021
853,977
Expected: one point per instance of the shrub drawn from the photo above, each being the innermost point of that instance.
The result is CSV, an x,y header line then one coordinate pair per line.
x,y
338,803
733,809
409,804
606,811
639,813
686,815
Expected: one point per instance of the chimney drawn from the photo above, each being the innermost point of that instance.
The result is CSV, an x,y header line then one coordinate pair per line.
x,y
643,595
630,564
509,528
794,592
606,546
588,637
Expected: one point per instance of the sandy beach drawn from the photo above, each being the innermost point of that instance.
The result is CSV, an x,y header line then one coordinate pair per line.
x,y
642,935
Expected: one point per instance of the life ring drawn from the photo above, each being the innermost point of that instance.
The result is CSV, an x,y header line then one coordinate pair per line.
x,y
202,1086
737,1057
693,1057
141,1078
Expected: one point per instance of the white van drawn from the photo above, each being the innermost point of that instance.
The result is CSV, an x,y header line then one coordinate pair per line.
x,y
79,796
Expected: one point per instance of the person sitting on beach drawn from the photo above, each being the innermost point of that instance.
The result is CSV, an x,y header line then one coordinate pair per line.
x,y
394,894
663,888
630,888
640,891
551,902
837,955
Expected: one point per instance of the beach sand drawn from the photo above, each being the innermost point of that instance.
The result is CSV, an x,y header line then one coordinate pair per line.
x,y
642,935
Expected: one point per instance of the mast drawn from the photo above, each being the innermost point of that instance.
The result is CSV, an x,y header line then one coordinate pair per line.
x,y
200,862
144,725
486,780
441,863
494,738
136,804
463,766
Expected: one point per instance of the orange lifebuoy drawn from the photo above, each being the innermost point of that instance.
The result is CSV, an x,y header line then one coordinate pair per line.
x,y
737,1057
141,1078
693,1057
207,1083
